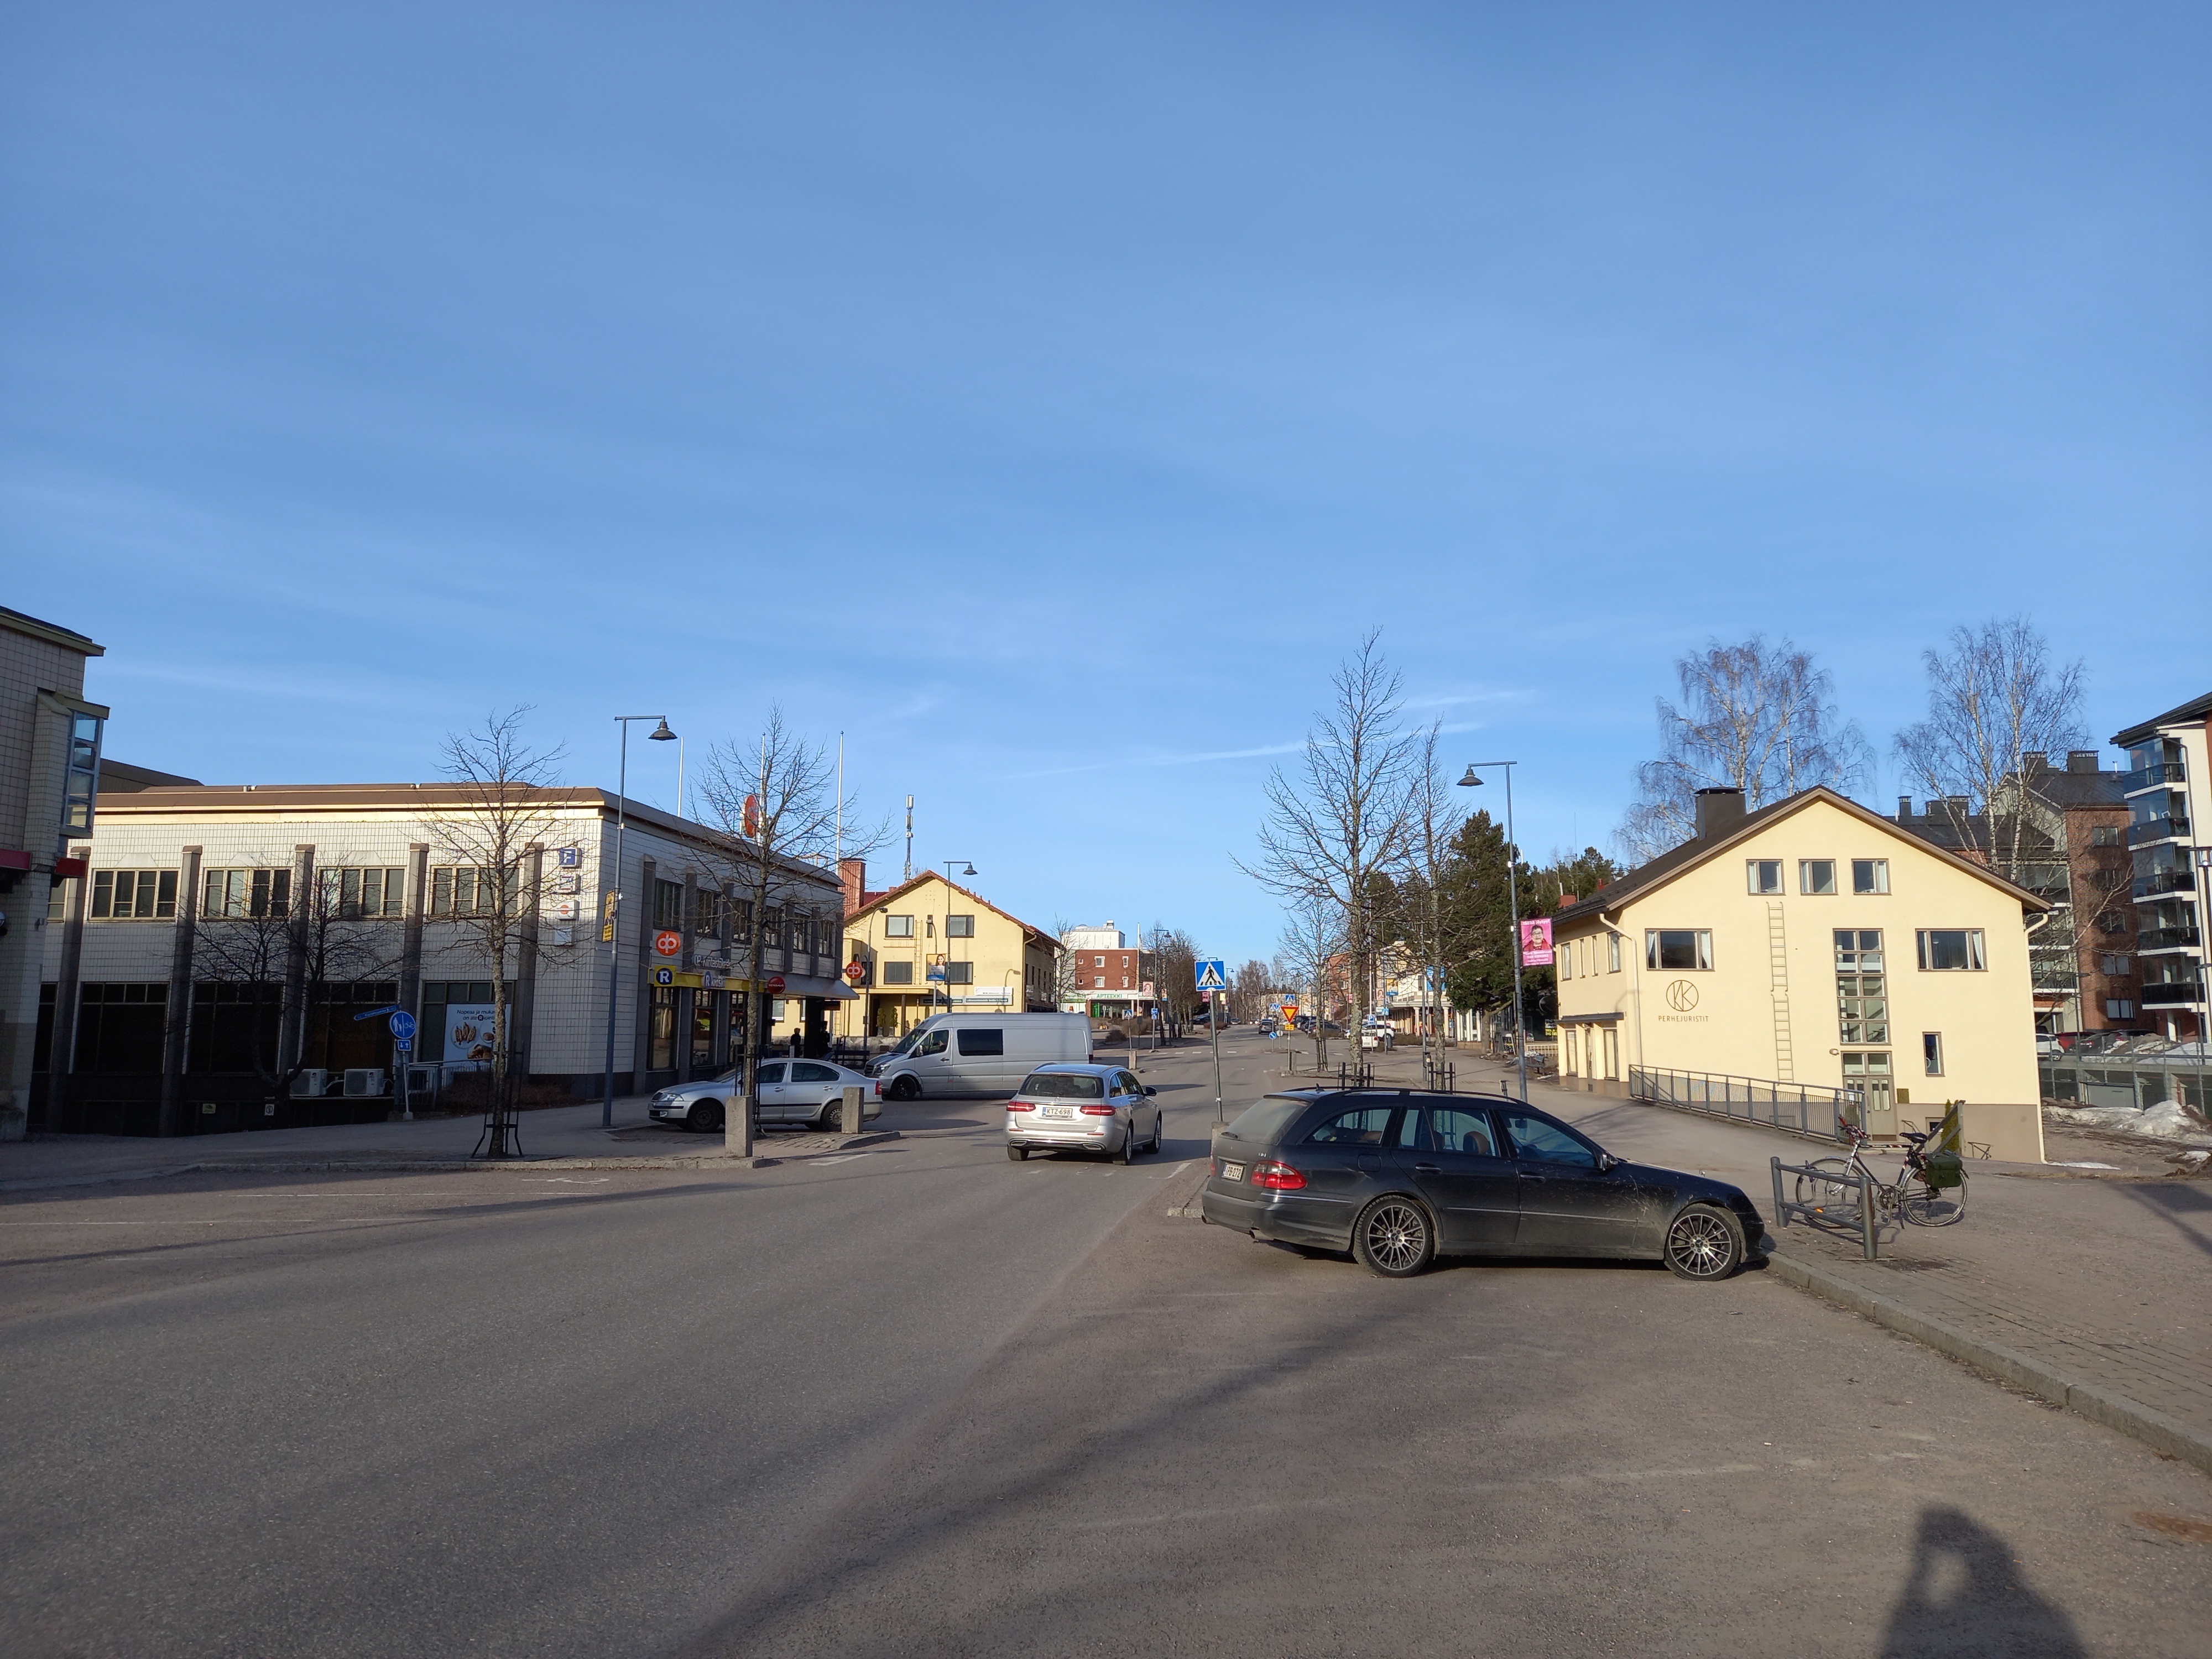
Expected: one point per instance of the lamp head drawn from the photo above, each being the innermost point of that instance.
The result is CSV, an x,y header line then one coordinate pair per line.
x,y
660,733
970,870
1470,781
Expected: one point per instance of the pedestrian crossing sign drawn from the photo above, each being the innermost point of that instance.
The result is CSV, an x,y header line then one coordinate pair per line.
x,y
1210,976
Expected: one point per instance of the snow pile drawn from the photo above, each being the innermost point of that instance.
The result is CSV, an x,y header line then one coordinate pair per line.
x,y
2168,1121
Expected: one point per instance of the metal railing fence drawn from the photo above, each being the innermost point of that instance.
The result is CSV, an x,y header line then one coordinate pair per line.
x,y
1802,1109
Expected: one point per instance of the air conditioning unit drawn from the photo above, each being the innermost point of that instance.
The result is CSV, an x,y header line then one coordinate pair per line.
x,y
363,1082
311,1085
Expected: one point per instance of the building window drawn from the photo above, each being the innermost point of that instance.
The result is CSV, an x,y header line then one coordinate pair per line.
x,y
1931,1052
1613,953
1763,875
1099,962
2113,921
1816,875
668,904
960,927
2104,834
352,894
1952,950
959,973
229,893
134,895
2115,967
466,889
741,921
707,922
1869,875
898,973
1678,947
1862,996
1098,981
2119,1008
898,927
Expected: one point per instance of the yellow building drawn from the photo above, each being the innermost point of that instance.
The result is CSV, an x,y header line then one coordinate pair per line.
x,y
929,946
1813,942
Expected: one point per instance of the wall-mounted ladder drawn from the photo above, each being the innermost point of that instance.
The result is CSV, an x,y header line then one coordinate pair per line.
x,y
1778,970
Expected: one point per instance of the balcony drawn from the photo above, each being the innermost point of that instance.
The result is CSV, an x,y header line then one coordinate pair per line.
x,y
2152,829
2165,939
2168,995
2164,881
2150,777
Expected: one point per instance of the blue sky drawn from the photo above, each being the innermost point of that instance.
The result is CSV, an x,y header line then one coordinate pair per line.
x,y
1046,396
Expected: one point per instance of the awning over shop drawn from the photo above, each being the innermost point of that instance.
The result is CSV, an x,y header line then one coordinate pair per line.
x,y
794,985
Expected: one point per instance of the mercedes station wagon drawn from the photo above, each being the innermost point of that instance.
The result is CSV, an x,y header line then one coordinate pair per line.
x,y
1401,1177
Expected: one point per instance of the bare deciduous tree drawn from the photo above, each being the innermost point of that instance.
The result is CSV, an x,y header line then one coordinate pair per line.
x,y
1994,695
1173,957
1341,822
1753,716
492,835
1308,955
1433,816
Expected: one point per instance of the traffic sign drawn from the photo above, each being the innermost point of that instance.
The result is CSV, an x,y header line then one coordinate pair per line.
x,y
775,984
667,943
1210,974
402,1028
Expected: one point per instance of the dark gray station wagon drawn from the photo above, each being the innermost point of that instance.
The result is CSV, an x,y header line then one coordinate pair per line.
x,y
1400,1177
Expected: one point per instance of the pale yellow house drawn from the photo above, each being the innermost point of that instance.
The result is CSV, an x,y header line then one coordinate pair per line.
x,y
1813,942
929,946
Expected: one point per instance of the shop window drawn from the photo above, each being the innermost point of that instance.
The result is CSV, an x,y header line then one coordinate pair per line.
x,y
1869,875
1816,876
1763,875
119,1027
1678,948
134,895
660,1030
1952,950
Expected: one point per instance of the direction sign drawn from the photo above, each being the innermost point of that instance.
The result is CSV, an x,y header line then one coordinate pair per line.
x,y
1210,974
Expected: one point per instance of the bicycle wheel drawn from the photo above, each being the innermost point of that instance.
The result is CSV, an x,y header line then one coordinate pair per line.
x,y
1834,1186
1924,1205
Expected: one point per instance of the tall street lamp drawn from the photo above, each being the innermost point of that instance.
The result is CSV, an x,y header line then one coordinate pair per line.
x,y
947,940
612,902
1513,898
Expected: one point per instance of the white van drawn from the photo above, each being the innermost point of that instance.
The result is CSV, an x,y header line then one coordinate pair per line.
x,y
979,1054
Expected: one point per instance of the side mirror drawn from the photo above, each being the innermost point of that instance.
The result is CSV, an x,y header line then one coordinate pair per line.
x,y
1606,1163
1149,1093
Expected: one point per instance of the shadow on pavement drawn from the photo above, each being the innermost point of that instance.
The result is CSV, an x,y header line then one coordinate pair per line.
x,y
1966,1597
2171,1203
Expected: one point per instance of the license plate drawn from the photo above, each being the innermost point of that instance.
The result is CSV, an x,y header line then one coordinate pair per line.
x,y
1059,1111
1232,1172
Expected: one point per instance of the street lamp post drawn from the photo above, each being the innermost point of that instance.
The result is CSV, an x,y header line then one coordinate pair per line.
x,y
612,903
1513,898
968,871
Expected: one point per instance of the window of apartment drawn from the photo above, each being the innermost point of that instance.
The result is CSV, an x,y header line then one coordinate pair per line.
x,y
1099,962
134,895
226,893
1862,995
959,973
960,927
466,889
1613,953
1952,950
1098,981
2115,967
2119,1008
1763,875
1869,875
1564,958
1678,947
352,894
898,973
2113,921
2106,835
1931,1052
1816,875
898,927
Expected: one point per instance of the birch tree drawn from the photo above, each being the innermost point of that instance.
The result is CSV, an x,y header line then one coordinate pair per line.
x,y
1752,716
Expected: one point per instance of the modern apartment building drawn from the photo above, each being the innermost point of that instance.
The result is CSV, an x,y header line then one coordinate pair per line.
x,y
1813,942
2168,798
217,932
50,742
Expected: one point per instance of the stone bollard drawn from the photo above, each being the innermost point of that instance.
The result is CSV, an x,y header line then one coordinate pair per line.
x,y
852,1114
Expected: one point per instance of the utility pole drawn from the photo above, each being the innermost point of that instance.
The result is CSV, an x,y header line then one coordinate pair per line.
x,y
908,875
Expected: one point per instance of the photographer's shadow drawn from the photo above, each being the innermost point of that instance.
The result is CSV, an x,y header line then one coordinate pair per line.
x,y
1966,1597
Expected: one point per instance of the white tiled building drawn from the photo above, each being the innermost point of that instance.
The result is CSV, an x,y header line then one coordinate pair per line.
x,y
140,1030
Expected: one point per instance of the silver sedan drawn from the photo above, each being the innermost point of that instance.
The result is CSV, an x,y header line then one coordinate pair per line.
x,y
1070,1108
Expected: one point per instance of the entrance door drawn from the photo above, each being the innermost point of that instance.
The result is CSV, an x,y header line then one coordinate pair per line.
x,y
1868,1072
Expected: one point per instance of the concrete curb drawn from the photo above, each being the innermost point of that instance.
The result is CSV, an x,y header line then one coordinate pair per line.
x,y
2154,1429
1185,1208
370,1165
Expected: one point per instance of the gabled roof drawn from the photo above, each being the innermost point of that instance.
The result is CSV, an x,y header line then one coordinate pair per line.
x,y
1678,860
878,900
2197,709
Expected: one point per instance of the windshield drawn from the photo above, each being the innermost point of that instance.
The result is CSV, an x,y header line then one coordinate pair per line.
x,y
1062,1085
1265,1119
906,1043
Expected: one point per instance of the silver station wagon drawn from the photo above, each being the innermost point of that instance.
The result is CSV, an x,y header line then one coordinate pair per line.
x,y
1082,1108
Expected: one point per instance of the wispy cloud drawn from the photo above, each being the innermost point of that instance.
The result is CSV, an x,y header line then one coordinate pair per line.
x,y
1121,762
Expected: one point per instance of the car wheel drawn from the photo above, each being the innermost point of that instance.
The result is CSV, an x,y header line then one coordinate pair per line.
x,y
903,1088
704,1117
1122,1152
1394,1238
1018,1154
832,1116
1157,1131
1704,1243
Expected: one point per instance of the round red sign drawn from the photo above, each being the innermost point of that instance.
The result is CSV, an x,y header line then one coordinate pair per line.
x,y
668,944
856,971
775,982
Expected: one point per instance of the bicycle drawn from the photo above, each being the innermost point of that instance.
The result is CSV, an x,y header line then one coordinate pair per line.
x,y
1930,1191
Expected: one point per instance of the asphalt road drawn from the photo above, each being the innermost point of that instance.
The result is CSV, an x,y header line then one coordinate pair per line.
x,y
920,1400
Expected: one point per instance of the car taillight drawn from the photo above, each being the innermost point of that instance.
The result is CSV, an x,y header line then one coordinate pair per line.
x,y
1097,1111
1281,1178
1019,1106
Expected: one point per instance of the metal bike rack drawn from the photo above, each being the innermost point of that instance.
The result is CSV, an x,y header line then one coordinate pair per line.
x,y
1852,1211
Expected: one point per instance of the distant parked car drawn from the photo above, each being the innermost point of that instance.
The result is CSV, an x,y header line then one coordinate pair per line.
x,y
791,1092
1401,1178
1082,1108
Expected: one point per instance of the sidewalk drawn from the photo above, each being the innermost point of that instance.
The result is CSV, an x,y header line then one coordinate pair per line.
x,y
566,1133
2091,1288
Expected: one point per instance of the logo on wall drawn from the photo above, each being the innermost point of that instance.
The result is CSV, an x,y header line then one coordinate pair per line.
x,y
1682,996
667,944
